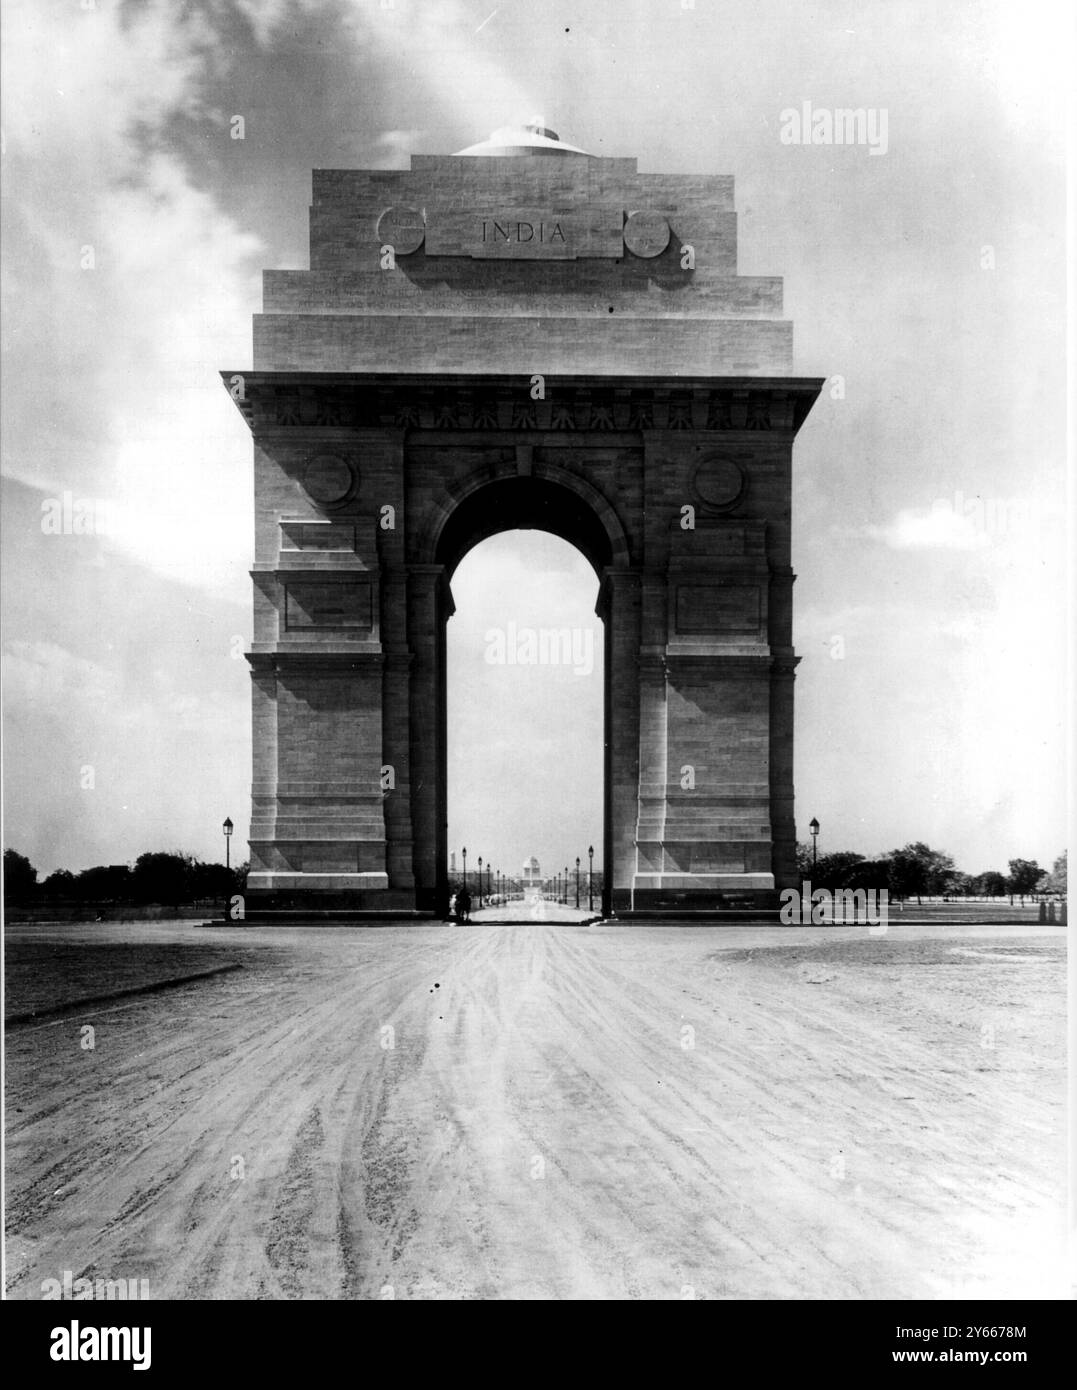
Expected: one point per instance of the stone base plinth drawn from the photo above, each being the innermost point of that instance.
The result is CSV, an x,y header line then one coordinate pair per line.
x,y
732,904
261,906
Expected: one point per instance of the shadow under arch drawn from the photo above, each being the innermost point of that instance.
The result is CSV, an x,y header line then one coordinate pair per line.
x,y
546,499
523,504
566,506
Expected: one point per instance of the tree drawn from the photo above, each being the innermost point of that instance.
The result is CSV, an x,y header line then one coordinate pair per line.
x,y
1057,879
832,869
214,880
989,885
20,876
59,884
163,878
1024,875
104,883
918,869
868,873
961,883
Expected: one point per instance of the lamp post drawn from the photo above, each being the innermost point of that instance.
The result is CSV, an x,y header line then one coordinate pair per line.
x,y
590,878
480,883
228,828
577,880
464,853
813,826
565,883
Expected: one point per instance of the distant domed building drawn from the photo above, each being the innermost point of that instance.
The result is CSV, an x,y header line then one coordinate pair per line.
x,y
532,874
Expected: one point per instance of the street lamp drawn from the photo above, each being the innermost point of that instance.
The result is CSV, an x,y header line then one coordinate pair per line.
x,y
565,883
228,828
464,853
813,826
590,878
577,880
480,882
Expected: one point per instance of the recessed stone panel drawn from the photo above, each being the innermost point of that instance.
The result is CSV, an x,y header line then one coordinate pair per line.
x,y
316,535
330,857
309,604
717,608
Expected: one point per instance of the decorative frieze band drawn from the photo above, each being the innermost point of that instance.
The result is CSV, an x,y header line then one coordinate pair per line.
x,y
519,405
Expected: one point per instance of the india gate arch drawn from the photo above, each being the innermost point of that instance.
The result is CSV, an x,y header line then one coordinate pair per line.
x,y
521,336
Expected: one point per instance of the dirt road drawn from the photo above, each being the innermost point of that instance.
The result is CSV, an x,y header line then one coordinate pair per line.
x,y
549,1111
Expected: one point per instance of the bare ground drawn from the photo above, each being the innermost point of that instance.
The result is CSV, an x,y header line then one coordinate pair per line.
x,y
541,1110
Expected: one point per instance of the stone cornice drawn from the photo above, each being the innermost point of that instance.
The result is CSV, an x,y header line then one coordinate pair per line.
x,y
314,661
449,404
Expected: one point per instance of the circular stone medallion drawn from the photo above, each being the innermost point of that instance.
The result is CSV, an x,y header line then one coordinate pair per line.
x,y
646,233
328,479
719,482
402,228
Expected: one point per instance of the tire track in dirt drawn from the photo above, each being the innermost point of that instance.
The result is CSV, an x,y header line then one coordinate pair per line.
x,y
534,1128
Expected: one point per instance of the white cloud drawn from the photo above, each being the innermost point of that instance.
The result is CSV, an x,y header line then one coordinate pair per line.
x,y
394,147
973,522
41,671
941,528
168,300
267,17
450,61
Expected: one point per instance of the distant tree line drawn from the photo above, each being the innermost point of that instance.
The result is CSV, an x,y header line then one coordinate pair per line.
x,y
174,879
171,879
917,871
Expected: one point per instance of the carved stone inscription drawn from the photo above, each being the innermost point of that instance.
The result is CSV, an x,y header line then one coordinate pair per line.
x,y
531,234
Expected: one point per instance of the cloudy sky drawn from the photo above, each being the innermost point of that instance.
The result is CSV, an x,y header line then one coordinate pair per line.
x,y
926,285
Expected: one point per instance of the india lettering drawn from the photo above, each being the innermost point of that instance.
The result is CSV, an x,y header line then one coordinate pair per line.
x,y
522,231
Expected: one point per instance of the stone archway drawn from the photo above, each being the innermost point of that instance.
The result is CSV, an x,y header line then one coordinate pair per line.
x,y
539,498
588,384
